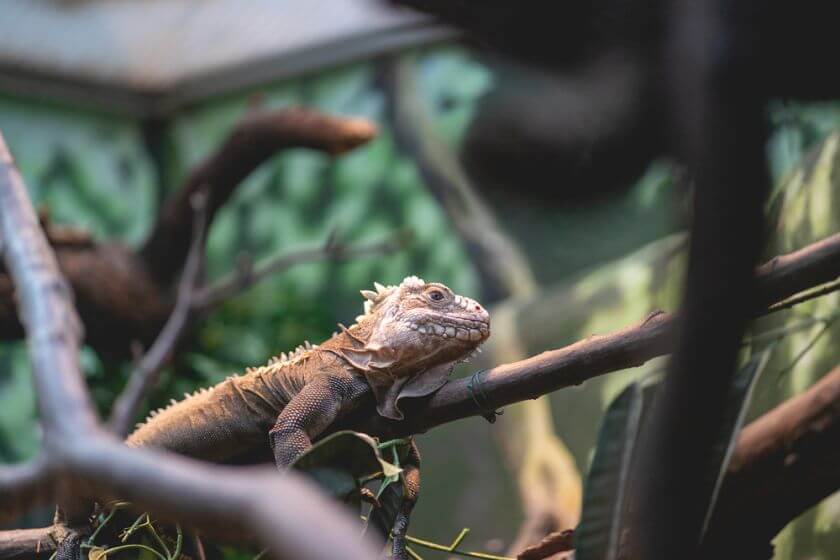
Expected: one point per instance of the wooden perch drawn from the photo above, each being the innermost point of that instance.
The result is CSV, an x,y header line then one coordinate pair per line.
x,y
86,461
506,384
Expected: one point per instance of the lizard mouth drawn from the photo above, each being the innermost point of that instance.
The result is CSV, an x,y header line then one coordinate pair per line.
x,y
462,329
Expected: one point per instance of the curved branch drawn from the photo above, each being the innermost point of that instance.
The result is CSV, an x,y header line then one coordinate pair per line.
x,y
95,463
252,141
146,374
630,347
230,286
784,463
30,544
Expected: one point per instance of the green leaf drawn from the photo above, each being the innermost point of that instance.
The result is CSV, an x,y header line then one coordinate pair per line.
x,y
342,462
735,409
599,534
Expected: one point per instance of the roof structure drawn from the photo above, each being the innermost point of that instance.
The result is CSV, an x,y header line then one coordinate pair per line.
x,y
150,56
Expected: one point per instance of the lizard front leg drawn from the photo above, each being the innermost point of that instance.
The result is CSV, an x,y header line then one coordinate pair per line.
x,y
411,482
309,413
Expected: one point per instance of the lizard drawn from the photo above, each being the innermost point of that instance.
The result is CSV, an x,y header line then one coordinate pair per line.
x,y
404,345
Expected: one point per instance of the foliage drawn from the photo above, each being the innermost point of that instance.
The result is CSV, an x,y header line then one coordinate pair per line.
x,y
93,170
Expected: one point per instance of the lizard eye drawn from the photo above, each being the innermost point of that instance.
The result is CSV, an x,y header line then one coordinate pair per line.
x,y
436,295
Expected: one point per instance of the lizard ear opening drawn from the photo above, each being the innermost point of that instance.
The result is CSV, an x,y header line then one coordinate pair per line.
x,y
389,391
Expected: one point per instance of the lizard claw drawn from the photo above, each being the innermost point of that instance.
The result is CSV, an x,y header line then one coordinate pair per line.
x,y
370,497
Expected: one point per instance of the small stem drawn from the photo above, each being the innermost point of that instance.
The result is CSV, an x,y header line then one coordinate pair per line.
x,y
134,526
452,550
154,533
179,543
108,551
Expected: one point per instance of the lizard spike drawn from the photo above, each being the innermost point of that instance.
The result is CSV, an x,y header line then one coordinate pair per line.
x,y
173,402
369,295
307,345
187,395
368,306
380,288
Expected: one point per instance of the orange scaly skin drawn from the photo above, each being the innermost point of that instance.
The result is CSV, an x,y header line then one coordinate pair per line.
x,y
405,345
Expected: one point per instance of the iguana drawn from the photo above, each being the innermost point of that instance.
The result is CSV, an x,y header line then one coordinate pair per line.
x,y
404,345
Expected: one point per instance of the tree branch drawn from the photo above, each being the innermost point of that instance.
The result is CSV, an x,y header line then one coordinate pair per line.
x,y
784,463
94,463
252,141
147,372
210,297
30,544
506,384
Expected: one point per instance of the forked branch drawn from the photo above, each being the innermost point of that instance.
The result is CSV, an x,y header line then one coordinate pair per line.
x,y
93,463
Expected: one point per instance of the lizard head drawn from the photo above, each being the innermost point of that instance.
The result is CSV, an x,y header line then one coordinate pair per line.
x,y
416,332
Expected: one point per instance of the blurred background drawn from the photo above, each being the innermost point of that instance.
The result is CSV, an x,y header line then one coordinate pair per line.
x,y
108,104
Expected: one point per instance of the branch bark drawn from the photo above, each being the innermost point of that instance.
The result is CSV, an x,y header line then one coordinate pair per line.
x,y
90,462
506,384
252,141
784,463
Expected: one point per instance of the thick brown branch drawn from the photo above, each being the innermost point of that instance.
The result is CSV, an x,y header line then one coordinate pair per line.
x,y
597,355
94,463
784,463
30,544
252,141
146,374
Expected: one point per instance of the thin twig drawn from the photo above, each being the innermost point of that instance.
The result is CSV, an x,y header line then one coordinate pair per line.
x,y
805,296
147,372
235,283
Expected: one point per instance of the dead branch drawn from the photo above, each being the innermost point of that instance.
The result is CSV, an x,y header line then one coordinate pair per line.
x,y
785,462
210,297
632,346
552,544
30,544
253,140
147,372
91,462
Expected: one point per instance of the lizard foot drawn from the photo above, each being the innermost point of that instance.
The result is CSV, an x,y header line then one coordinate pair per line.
x,y
70,547
398,541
